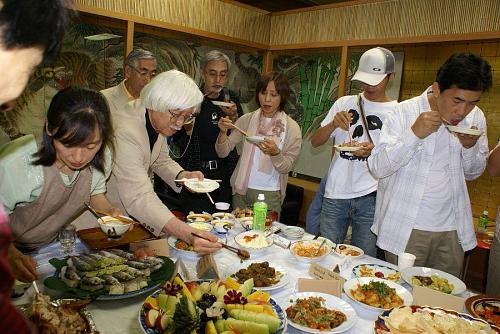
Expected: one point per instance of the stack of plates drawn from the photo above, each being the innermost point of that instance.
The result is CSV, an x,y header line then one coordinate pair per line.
x,y
293,232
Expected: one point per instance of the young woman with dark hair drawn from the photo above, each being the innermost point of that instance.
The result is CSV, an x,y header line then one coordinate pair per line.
x,y
263,167
44,187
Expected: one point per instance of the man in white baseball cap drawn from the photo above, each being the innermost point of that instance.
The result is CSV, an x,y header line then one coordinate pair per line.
x,y
355,120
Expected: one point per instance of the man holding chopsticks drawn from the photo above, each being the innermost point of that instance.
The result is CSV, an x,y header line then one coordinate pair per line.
x,y
355,120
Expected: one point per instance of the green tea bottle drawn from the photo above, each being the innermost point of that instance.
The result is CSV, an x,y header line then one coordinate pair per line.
x,y
259,214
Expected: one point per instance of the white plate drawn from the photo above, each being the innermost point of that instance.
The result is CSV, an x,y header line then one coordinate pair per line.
x,y
223,104
223,215
204,186
202,226
255,139
331,302
346,148
252,250
339,252
400,291
467,131
282,282
408,273
293,232
171,242
386,271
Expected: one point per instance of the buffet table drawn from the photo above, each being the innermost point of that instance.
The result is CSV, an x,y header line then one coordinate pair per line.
x,y
121,316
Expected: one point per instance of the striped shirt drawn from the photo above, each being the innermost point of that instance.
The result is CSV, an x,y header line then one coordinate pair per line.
x,y
402,162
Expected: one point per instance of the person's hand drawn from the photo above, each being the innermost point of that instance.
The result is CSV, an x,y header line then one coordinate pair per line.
x,y
426,123
269,147
365,150
202,246
467,141
23,266
115,212
225,124
192,175
342,120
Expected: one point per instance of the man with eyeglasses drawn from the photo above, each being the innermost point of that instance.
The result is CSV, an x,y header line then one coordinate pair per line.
x,y
169,101
195,144
139,69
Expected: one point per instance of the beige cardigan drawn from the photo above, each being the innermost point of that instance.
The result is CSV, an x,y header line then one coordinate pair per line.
x,y
130,187
117,98
283,162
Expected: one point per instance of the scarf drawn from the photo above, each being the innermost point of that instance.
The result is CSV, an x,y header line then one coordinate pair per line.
x,y
275,131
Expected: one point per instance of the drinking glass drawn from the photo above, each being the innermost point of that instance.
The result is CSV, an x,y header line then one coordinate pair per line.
x,y
67,238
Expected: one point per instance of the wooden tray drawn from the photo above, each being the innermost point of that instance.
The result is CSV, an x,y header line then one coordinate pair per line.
x,y
95,238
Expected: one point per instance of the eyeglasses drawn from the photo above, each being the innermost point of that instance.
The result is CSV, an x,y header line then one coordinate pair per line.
x,y
145,74
185,119
215,74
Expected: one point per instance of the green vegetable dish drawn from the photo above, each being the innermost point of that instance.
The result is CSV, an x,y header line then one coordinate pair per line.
x,y
433,282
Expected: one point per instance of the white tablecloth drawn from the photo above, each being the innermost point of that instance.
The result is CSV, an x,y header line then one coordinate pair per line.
x,y
121,316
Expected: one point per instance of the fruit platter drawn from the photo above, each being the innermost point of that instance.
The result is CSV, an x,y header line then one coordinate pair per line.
x,y
211,307
111,274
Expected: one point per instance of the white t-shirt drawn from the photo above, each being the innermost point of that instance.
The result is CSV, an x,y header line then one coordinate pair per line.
x,y
435,211
259,180
348,176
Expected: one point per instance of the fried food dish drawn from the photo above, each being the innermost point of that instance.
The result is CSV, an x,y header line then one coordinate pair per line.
x,y
346,250
311,313
63,319
241,213
433,282
377,294
309,250
365,271
263,275
182,245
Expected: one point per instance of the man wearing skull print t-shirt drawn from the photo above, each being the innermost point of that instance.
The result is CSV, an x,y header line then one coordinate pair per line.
x,y
350,189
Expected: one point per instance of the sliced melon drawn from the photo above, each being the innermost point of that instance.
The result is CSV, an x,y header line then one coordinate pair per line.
x,y
162,301
231,283
246,287
210,328
271,322
246,326
220,325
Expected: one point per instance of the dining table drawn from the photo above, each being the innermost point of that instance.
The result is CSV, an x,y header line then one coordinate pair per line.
x,y
122,315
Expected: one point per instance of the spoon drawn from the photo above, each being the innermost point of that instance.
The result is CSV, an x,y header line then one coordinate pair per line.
x,y
320,246
92,210
242,254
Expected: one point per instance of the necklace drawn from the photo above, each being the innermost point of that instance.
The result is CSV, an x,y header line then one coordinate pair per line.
x,y
175,156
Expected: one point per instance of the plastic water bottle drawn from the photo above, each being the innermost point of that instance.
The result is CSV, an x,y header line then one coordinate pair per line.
x,y
259,214
483,222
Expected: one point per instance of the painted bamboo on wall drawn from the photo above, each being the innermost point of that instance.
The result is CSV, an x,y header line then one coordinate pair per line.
x,y
386,19
207,15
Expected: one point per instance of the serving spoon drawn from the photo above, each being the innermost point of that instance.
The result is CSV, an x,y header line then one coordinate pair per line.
x,y
242,254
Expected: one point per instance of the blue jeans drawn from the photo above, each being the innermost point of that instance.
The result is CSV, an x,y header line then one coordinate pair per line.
x,y
338,214
314,212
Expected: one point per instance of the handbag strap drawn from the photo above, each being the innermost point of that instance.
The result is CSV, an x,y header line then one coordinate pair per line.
x,y
363,117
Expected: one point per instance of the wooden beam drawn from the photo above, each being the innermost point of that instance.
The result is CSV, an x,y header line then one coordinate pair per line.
x,y
129,45
344,58
267,62
327,6
390,41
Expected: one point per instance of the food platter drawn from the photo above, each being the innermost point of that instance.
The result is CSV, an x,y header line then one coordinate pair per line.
x,y
281,317
408,273
255,139
283,275
344,250
447,317
201,186
222,103
376,270
353,283
484,307
467,131
346,148
331,302
148,283
27,310
187,253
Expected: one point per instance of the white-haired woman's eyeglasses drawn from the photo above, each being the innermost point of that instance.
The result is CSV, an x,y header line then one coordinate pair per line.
x,y
186,119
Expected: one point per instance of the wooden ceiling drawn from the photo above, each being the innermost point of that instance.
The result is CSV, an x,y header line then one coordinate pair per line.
x,y
279,5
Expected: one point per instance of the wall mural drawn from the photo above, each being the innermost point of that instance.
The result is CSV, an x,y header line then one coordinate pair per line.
x,y
98,64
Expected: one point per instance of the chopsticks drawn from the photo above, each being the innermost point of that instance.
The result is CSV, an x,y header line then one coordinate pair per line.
x,y
240,130
243,254
96,213
210,198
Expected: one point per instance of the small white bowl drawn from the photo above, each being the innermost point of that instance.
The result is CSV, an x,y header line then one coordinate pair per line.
x,y
223,206
293,232
113,227
202,226
253,250
222,225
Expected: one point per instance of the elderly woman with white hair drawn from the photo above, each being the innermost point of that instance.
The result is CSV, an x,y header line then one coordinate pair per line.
x,y
170,100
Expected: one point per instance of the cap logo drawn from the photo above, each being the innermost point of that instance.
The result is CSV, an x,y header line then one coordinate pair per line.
x,y
376,69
